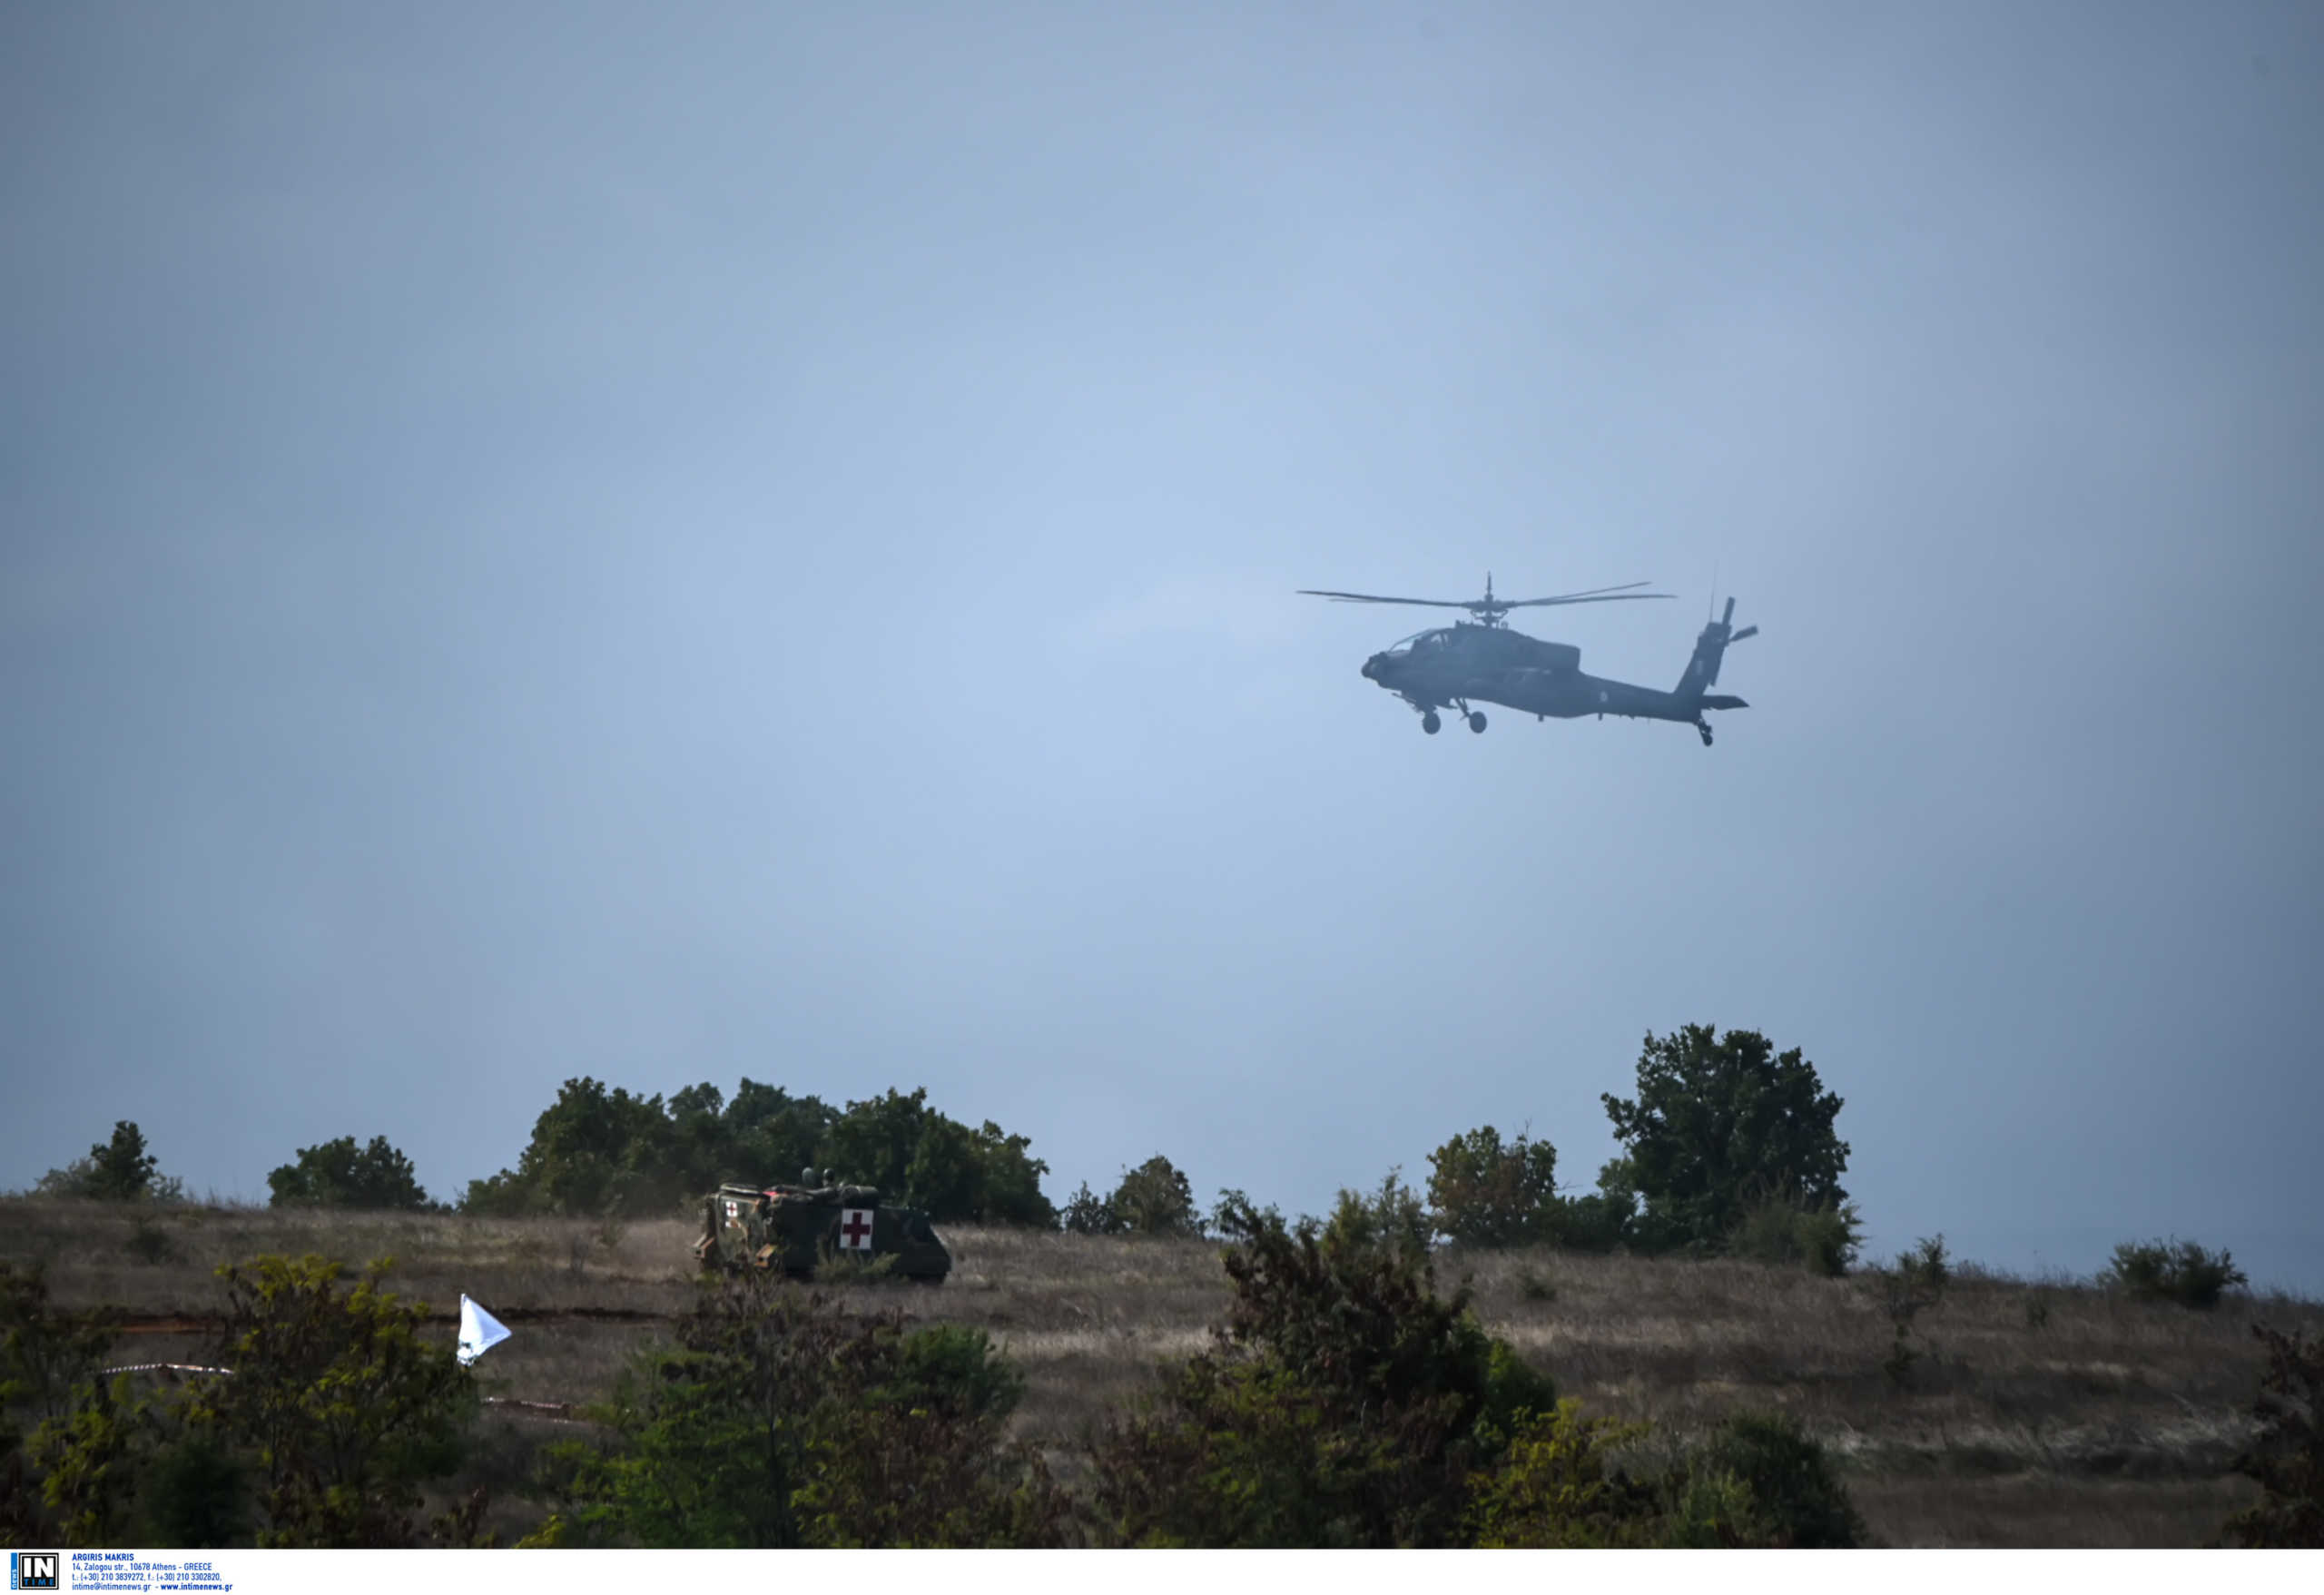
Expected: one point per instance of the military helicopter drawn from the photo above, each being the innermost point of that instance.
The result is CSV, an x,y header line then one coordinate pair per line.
x,y
1482,660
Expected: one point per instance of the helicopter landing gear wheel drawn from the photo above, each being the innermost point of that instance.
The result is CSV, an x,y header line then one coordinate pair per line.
x,y
1704,727
1477,721
1429,723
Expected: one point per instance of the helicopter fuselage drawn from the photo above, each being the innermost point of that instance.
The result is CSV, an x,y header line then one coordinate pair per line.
x,y
1456,666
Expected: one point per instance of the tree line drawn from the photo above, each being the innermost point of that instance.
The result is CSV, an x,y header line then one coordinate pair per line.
x,y
1727,1146
1719,1127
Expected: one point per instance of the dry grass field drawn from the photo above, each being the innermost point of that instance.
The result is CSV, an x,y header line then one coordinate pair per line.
x,y
2037,1414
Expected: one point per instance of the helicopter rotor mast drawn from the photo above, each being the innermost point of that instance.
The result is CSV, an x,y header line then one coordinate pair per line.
x,y
1489,610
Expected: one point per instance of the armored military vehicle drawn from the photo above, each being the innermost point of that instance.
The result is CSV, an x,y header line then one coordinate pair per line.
x,y
794,1227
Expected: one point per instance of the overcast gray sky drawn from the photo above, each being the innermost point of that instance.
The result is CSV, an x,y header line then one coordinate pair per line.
x,y
676,544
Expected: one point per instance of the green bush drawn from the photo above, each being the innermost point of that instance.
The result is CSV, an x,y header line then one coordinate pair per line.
x,y
1553,1490
334,1174
1347,1404
149,1243
1706,1510
954,1370
1756,1481
773,1420
45,1356
1393,1216
338,1413
2167,1271
343,1401
1603,1221
1793,1495
2286,1459
1783,1229
1924,1272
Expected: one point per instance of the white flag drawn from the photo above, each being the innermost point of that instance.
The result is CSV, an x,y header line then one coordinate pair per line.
x,y
480,1331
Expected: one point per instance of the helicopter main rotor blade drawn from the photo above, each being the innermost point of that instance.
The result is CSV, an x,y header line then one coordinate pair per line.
x,y
1595,596
1374,598
1586,592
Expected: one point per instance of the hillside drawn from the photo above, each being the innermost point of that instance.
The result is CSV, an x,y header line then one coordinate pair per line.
x,y
2033,1414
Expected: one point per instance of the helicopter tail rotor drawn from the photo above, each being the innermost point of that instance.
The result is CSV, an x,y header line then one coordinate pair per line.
x,y
1711,648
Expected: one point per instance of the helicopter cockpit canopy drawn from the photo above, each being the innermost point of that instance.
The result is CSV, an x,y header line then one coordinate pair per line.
x,y
1419,642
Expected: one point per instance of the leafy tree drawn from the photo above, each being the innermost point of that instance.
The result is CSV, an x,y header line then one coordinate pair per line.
x,y
1718,1124
592,1151
1011,1188
919,1157
946,1173
1234,1208
119,1170
770,1128
1154,1198
773,1420
875,1141
1346,1405
1087,1213
701,1141
764,1134
1483,1193
336,1175
122,1170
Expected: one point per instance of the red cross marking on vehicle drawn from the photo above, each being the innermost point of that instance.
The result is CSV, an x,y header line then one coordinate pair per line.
x,y
856,1230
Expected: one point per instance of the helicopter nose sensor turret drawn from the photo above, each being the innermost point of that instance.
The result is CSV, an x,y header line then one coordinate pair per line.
x,y
1372,667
